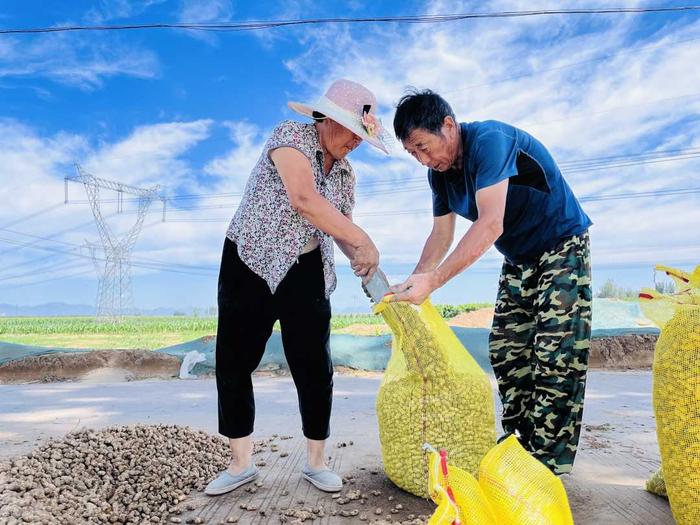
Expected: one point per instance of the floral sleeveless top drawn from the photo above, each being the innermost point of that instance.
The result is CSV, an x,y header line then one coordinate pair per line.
x,y
269,233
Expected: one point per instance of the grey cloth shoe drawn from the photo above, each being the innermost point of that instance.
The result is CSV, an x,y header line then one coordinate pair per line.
x,y
323,479
226,482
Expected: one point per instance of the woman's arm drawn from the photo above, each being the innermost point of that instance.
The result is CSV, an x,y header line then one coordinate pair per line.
x,y
346,248
295,170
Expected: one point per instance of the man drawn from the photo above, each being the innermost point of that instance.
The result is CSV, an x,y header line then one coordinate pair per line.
x,y
506,182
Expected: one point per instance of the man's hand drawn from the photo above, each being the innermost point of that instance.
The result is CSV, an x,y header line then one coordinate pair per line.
x,y
416,288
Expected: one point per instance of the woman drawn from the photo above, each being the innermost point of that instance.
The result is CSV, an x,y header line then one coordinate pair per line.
x,y
277,264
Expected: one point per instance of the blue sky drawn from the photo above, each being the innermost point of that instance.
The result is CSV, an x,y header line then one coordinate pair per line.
x,y
190,111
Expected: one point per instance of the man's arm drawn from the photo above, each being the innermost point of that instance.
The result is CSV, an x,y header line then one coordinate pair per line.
x,y
491,204
437,244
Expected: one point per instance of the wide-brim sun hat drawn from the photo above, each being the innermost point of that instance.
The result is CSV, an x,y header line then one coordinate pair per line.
x,y
351,105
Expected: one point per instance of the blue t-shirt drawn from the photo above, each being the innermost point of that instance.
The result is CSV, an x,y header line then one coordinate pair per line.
x,y
541,209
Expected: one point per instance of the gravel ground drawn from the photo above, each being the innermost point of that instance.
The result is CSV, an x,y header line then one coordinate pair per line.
x,y
618,449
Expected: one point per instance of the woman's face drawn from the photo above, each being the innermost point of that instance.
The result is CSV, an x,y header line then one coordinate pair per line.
x,y
337,140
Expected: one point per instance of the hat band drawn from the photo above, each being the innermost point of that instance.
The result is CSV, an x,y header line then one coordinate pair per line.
x,y
340,111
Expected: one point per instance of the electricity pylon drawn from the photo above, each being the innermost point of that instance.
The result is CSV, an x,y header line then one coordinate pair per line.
x,y
114,294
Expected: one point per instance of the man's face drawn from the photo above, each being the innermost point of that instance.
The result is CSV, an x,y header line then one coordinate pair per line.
x,y
431,150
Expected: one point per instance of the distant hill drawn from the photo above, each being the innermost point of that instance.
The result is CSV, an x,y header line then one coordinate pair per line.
x,y
69,310
78,310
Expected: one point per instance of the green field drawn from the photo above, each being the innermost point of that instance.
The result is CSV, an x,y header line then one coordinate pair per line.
x,y
157,332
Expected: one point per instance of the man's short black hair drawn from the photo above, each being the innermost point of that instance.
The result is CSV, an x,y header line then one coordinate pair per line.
x,y
420,110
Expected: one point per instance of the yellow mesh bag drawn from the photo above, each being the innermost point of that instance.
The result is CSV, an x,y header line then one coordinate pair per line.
x,y
513,489
676,398
434,392
676,391
457,494
520,489
660,307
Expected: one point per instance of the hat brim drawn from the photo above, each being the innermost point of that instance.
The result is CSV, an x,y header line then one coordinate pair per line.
x,y
344,118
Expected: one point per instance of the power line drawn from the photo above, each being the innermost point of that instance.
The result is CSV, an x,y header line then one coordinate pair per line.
x,y
610,110
625,250
631,163
140,264
690,152
409,19
569,167
60,232
157,265
51,268
415,184
641,194
627,156
587,164
32,215
592,198
418,184
24,262
423,187
572,166
60,278
144,260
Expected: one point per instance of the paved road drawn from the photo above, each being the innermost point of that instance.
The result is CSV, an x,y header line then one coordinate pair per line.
x,y
618,449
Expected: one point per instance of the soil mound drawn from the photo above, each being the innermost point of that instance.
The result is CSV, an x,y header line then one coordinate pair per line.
x,y
623,351
481,318
117,365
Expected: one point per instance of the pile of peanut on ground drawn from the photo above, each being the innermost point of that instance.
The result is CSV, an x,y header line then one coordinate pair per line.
x,y
135,474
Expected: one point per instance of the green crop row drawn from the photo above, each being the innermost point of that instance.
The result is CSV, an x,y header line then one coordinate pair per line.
x,y
88,325
173,324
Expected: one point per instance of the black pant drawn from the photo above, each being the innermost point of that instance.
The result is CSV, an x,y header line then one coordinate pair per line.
x,y
247,313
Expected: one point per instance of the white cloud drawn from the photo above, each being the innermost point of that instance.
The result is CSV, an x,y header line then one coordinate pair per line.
x,y
150,154
545,74
194,236
106,10
32,192
74,60
205,10
585,93
233,168
30,164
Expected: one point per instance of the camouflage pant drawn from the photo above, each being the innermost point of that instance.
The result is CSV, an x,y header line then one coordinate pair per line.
x,y
539,347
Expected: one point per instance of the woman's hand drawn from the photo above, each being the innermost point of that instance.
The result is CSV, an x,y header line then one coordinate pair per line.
x,y
365,260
